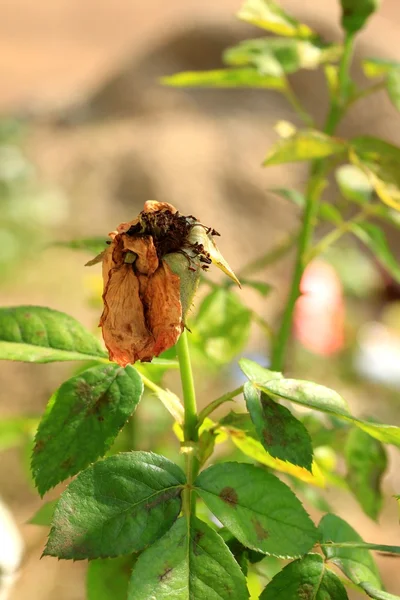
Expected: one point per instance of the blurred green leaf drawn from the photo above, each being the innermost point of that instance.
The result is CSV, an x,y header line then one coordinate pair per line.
x,y
291,195
15,430
274,56
281,434
44,515
243,556
259,286
81,421
304,145
355,13
108,578
393,87
226,78
42,335
116,506
354,183
190,562
374,238
94,245
307,577
357,564
379,160
222,325
268,15
366,461
251,514
328,212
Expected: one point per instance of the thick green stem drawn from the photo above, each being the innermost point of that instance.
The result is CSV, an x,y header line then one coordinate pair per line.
x,y
190,431
314,189
189,394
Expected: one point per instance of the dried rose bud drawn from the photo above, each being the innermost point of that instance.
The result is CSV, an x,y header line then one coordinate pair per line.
x,y
151,271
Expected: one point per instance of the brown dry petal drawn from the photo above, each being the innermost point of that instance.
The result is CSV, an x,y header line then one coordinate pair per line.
x,y
142,314
154,206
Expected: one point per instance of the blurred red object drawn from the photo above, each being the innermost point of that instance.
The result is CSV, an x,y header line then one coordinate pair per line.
x,y
319,312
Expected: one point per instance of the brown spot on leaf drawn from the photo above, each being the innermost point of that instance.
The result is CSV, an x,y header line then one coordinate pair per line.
x,y
166,573
261,533
67,463
38,447
196,540
229,496
161,498
306,591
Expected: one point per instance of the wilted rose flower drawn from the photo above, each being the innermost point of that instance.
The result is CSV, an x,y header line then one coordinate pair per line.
x,y
151,270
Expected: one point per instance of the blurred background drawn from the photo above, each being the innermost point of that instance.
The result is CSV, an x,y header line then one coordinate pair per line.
x,y
87,134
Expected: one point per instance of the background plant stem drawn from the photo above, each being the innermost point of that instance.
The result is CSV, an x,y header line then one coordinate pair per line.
x,y
314,189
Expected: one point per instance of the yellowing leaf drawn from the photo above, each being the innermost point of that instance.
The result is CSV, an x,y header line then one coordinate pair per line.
x,y
270,16
199,235
255,450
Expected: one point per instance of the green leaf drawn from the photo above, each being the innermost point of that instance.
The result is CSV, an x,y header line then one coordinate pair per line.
x,y
374,238
356,563
319,397
15,430
42,335
274,522
81,421
377,594
366,463
274,56
307,394
395,550
281,434
268,15
291,195
355,13
94,245
328,212
259,286
109,578
117,506
304,145
44,515
243,556
257,374
222,326
226,78
354,184
393,87
188,564
306,578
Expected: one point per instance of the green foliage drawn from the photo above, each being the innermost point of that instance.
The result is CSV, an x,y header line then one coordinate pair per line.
x,y
354,183
268,15
304,145
366,461
117,506
377,594
374,238
190,562
42,335
307,577
281,434
273,523
222,326
319,397
356,12
356,563
82,420
226,78
94,245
